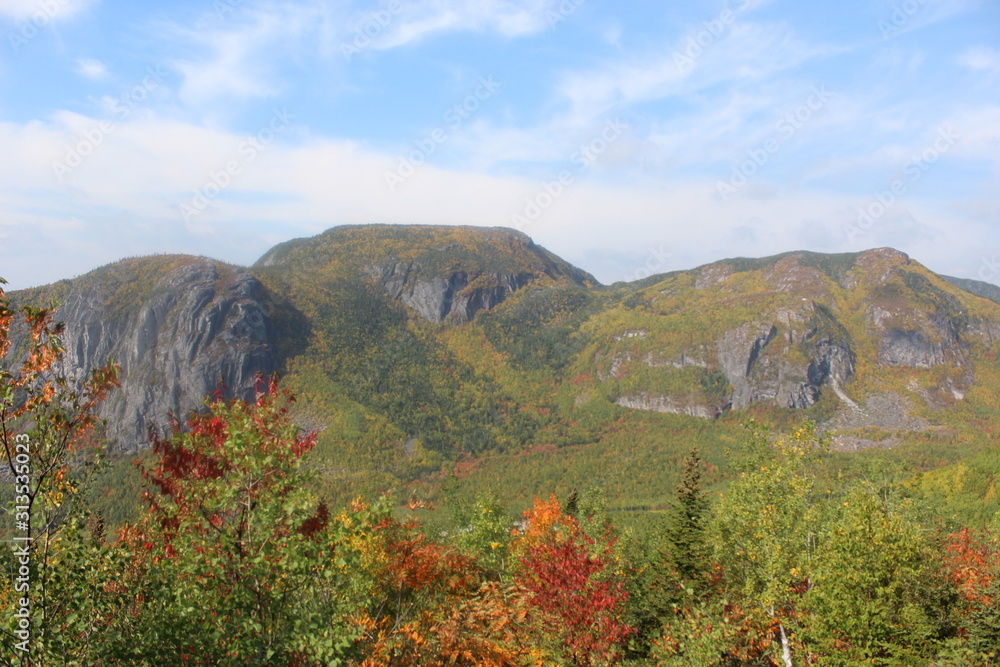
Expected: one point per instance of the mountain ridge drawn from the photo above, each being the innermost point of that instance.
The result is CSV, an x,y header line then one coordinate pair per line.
x,y
414,348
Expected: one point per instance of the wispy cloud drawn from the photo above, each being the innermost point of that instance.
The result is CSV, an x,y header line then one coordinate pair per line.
x,y
43,10
981,59
91,69
511,18
241,55
900,18
745,54
236,58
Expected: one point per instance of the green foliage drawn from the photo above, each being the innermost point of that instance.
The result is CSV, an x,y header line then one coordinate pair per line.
x,y
977,287
874,595
483,530
969,489
675,559
764,527
239,569
540,329
687,524
983,644
49,447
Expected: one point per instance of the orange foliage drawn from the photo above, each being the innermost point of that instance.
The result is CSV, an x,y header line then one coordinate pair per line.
x,y
434,608
545,522
973,562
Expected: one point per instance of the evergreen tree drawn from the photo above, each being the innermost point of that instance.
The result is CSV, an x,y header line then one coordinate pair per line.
x,y
675,558
687,521
573,504
984,625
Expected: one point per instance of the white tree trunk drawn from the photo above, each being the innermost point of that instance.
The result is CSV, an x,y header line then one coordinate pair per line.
x,y
786,649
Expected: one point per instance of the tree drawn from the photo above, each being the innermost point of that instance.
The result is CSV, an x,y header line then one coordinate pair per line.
x,y
241,562
764,530
875,583
576,599
428,604
676,564
973,564
484,533
687,524
47,438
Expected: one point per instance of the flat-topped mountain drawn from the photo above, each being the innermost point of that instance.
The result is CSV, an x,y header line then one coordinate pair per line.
x,y
441,273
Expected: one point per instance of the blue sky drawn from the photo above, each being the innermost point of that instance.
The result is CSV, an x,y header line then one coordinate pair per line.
x,y
627,137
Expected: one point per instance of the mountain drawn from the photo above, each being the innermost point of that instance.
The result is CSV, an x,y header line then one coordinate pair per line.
x,y
440,360
788,331
178,325
444,274
977,287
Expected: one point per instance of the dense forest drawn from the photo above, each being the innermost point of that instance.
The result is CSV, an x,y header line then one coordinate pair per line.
x,y
240,556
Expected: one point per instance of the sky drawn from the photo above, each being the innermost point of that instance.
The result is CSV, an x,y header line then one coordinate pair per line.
x,y
628,137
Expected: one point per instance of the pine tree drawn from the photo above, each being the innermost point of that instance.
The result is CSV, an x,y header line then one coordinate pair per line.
x,y
676,559
687,521
984,625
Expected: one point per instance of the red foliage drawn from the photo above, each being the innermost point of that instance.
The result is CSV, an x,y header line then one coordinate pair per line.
x,y
209,451
435,609
570,583
316,522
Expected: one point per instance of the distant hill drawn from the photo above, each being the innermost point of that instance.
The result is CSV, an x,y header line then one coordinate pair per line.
x,y
977,287
439,360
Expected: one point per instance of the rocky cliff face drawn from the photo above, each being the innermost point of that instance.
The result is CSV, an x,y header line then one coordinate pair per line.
x,y
762,370
201,325
652,403
455,298
785,358
909,337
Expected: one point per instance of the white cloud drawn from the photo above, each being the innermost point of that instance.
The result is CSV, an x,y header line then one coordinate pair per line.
x,y
241,56
743,53
721,106
125,199
238,59
981,59
42,10
91,69
419,20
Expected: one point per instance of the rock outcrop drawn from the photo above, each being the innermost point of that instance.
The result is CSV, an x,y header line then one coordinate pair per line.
x,y
775,377
201,326
455,298
667,404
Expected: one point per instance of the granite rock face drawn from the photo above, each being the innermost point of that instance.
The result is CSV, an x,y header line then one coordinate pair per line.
x,y
455,298
915,339
759,368
667,404
203,326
